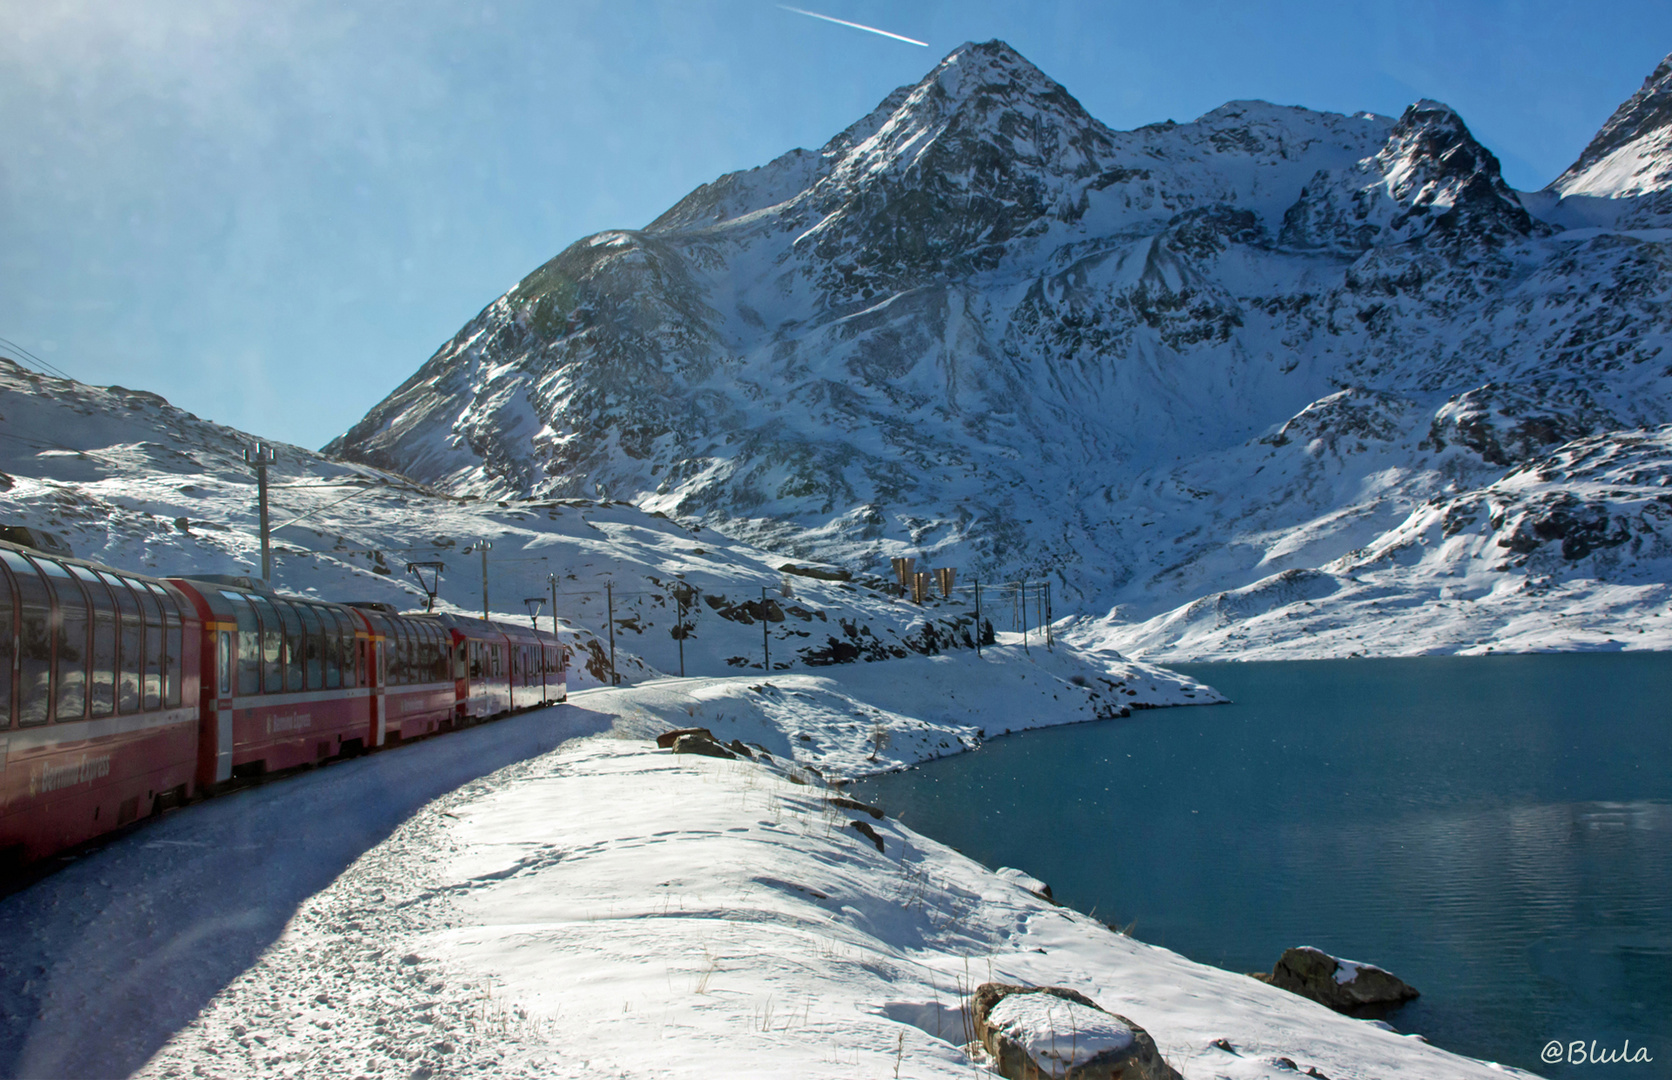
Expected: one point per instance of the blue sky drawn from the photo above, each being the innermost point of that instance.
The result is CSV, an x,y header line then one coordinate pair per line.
x,y
272,213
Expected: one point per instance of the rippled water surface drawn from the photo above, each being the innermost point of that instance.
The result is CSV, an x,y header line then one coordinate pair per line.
x,y
1495,830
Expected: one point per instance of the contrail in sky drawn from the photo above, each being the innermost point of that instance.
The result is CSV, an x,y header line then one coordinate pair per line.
x,y
856,26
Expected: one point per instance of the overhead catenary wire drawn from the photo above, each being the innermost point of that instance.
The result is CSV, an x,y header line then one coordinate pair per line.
x,y
51,369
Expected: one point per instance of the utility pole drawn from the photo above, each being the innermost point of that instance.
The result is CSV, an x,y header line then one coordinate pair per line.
x,y
551,579
261,458
766,639
978,633
533,604
482,546
681,597
609,599
1021,599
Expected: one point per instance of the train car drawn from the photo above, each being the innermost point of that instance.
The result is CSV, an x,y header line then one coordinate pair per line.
x,y
287,681
123,694
420,693
535,668
500,667
98,699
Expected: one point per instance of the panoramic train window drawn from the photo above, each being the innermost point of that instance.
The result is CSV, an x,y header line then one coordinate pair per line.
x,y
34,640
400,653
313,646
249,643
101,683
173,644
151,688
69,640
130,657
293,648
443,656
272,645
69,634
7,607
333,622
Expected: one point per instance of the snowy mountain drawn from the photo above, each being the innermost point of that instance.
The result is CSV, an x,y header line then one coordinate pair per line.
x,y
129,480
1629,163
980,327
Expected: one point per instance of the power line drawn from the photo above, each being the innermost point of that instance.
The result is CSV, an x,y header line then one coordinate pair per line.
x,y
50,369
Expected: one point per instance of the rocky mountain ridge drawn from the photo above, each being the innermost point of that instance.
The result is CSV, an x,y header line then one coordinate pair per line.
x,y
980,327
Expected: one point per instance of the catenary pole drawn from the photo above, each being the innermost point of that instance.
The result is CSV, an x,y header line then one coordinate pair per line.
x,y
609,599
262,458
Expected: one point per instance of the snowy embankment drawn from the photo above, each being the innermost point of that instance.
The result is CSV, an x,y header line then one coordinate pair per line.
x,y
599,907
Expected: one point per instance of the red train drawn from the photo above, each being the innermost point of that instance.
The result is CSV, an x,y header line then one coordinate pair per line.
x,y
122,695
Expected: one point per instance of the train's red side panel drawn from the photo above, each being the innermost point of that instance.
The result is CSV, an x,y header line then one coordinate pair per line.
x,y
289,682
98,696
121,695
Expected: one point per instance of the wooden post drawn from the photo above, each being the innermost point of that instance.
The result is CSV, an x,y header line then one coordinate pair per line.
x,y
766,639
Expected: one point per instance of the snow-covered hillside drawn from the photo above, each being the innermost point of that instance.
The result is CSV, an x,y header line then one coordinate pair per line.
x,y
981,327
132,481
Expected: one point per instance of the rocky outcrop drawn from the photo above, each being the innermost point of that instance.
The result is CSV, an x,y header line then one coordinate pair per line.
x,y
1343,985
703,744
1053,1033
1432,178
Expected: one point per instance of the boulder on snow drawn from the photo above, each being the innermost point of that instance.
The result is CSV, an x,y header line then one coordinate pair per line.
x,y
1343,985
1052,1033
701,744
1027,883
666,740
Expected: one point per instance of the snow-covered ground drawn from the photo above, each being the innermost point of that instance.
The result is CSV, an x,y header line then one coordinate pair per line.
x,y
552,896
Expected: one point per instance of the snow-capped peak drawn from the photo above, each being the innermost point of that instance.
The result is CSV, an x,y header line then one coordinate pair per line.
x,y
1431,177
1632,154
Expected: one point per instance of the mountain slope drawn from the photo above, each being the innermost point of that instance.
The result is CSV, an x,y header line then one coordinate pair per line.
x,y
134,482
980,327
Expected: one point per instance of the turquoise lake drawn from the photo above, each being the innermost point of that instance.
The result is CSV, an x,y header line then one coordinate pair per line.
x,y
1495,830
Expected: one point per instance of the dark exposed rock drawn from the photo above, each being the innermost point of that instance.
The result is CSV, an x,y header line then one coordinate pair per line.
x,y
666,740
864,829
854,804
701,744
1341,985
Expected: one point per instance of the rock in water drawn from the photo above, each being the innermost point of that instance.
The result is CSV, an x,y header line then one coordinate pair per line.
x,y
1052,1033
1343,985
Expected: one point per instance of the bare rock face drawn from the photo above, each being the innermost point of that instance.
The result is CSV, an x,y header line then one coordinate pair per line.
x,y
1342,985
701,744
1053,1033
666,740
